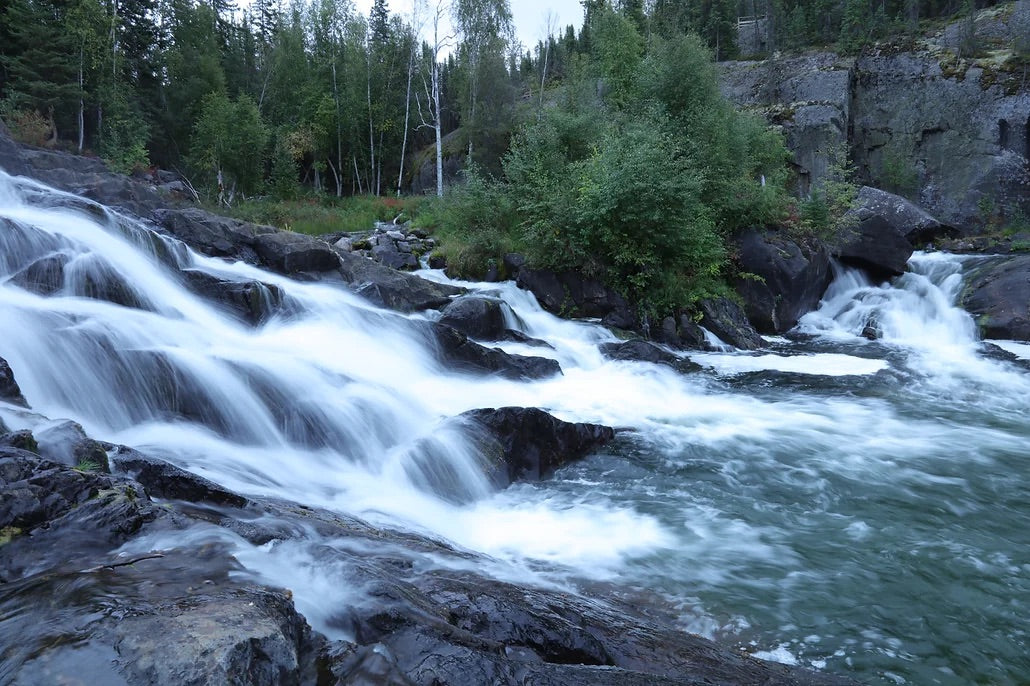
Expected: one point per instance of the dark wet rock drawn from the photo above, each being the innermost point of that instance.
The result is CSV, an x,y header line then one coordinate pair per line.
x,y
785,278
570,294
528,444
437,262
680,332
905,217
387,250
89,177
725,319
44,276
251,301
874,245
373,665
882,231
392,289
456,351
643,351
62,516
475,316
168,619
9,389
997,294
281,251
210,234
165,480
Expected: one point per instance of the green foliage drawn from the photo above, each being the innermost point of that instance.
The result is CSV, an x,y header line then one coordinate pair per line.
x,y
229,138
639,219
827,212
617,48
897,171
282,179
124,136
318,215
475,224
26,125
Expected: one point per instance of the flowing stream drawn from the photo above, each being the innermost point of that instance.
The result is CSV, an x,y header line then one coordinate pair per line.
x,y
853,505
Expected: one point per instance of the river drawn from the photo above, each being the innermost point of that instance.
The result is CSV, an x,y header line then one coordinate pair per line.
x,y
851,505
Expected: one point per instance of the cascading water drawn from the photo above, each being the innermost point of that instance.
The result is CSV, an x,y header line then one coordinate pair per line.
x,y
850,504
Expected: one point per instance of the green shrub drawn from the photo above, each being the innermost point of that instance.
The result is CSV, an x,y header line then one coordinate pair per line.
x,y
474,223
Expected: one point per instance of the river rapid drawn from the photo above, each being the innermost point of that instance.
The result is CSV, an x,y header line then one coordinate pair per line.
x,y
850,505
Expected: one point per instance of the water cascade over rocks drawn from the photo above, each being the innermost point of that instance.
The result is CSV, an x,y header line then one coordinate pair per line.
x,y
848,503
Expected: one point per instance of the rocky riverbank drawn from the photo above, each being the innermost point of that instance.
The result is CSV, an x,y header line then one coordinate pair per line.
x,y
119,567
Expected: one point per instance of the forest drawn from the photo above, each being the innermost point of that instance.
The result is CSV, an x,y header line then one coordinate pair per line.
x,y
310,93
607,149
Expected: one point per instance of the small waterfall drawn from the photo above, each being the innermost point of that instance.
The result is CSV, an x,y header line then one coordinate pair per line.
x,y
918,310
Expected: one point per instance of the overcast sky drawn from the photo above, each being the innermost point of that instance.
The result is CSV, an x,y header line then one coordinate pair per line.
x,y
530,15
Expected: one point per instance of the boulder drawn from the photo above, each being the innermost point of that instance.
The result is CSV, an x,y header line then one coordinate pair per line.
x,y
874,245
281,251
392,289
457,352
293,253
570,294
212,235
725,319
528,444
997,294
476,316
791,278
251,301
643,351
680,332
9,390
165,480
907,218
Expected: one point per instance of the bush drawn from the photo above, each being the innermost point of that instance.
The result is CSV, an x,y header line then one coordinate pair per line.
x,y
474,222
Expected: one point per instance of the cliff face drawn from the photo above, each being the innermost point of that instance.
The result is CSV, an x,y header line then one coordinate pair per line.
x,y
950,134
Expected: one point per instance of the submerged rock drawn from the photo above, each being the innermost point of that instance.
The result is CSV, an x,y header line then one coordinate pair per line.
x,y
456,351
642,351
528,444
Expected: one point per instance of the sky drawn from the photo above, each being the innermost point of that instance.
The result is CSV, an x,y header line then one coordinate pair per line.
x,y
529,15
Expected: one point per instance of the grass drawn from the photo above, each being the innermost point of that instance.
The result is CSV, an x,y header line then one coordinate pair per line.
x,y
315,216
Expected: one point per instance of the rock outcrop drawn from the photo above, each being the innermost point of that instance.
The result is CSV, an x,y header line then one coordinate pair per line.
x,y
784,279
952,134
725,319
997,294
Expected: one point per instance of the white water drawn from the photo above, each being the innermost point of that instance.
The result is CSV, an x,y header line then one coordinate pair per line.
x,y
810,521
